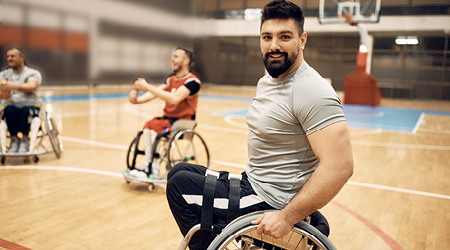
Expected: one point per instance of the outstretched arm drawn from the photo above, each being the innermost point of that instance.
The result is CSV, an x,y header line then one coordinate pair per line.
x,y
332,147
29,87
171,97
146,97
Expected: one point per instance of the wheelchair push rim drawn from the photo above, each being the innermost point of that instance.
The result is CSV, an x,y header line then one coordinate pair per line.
x,y
241,234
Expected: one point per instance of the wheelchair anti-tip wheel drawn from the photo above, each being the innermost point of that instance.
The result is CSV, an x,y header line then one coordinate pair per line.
x,y
241,234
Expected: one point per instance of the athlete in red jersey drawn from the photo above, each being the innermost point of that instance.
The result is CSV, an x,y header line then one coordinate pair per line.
x,y
180,92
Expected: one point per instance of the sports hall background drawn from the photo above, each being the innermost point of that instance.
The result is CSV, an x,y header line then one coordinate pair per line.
x,y
93,42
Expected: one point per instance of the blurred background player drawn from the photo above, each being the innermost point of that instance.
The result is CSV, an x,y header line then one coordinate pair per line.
x,y
18,91
180,93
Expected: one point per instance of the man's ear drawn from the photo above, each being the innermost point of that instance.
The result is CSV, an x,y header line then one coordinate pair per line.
x,y
303,39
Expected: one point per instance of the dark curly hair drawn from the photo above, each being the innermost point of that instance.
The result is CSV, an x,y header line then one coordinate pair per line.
x,y
281,9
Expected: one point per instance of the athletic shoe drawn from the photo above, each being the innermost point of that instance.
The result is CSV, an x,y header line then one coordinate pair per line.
x,y
139,174
24,145
14,145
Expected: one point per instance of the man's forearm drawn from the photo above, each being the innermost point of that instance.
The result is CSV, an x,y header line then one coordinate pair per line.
x,y
321,188
28,87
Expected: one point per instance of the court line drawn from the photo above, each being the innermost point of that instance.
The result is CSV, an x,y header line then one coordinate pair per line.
x,y
94,143
242,166
398,145
3,243
386,238
418,123
11,245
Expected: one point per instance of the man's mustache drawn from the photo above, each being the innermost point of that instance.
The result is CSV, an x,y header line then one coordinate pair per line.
x,y
266,56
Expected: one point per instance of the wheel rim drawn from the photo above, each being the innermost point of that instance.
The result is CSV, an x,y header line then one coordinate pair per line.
x,y
187,146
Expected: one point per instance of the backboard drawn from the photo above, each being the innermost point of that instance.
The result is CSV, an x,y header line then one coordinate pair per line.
x,y
349,11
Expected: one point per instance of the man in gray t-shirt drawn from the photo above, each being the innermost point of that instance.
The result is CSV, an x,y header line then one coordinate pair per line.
x,y
299,151
18,91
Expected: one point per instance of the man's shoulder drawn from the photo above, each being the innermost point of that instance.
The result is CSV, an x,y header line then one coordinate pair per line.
x,y
6,71
31,70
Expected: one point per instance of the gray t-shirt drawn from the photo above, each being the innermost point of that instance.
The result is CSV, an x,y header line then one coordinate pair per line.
x,y
19,98
280,117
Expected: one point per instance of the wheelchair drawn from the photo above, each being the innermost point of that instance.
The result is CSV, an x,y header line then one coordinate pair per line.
x,y
240,234
181,144
42,127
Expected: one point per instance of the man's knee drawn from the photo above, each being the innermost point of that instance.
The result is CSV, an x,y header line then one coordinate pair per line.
x,y
10,112
175,169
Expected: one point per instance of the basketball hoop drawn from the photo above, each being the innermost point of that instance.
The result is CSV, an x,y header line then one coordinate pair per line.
x,y
349,19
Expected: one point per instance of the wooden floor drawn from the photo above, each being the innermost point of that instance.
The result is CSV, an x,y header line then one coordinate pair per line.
x,y
398,197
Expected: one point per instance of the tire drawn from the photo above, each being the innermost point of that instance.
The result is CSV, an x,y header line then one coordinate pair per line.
x,y
241,234
133,151
187,146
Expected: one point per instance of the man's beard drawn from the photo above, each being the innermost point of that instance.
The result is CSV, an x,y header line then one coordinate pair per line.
x,y
14,65
177,69
278,67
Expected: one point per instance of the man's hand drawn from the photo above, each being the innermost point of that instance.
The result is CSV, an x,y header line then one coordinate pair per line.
x,y
133,96
5,94
140,85
4,85
273,224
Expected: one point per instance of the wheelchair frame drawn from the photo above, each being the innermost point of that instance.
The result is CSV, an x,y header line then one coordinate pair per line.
x,y
51,132
241,234
168,150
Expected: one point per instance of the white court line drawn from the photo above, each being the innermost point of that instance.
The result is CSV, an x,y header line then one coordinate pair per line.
x,y
71,169
418,123
137,112
94,143
209,127
400,190
88,113
113,174
398,145
229,119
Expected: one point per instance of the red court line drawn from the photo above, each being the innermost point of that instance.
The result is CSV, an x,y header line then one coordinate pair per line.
x,y
391,242
11,246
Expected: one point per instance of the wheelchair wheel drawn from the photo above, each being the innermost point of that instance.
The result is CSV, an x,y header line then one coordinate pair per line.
x,y
159,155
134,151
187,146
53,134
241,234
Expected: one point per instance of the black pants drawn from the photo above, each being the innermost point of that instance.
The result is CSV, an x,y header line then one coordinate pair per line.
x,y
184,193
19,119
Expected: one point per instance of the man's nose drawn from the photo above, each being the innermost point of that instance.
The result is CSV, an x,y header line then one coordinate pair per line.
x,y
275,46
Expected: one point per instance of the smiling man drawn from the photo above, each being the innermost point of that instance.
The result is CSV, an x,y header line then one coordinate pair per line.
x,y
18,91
299,151
180,93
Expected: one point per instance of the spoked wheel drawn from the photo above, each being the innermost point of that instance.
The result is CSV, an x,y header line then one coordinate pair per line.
x,y
159,156
187,146
52,131
134,154
242,235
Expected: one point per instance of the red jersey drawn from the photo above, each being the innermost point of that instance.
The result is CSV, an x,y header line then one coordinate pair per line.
x,y
185,109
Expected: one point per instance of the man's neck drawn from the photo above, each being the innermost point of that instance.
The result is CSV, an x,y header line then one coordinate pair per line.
x,y
182,73
18,70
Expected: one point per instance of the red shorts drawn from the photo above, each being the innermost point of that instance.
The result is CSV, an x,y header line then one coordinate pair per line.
x,y
158,125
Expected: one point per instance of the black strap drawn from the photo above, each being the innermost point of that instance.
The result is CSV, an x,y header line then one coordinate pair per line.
x,y
208,200
234,197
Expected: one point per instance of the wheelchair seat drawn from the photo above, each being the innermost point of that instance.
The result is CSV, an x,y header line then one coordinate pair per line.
x,y
181,144
241,234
